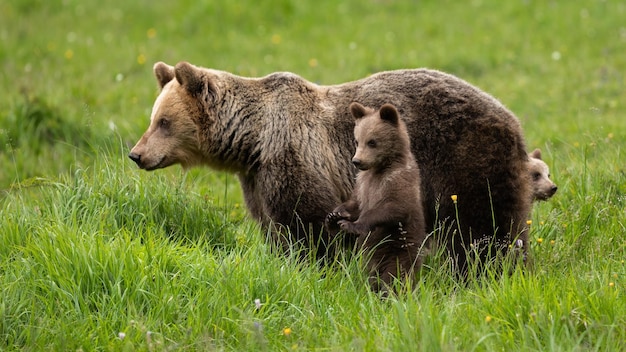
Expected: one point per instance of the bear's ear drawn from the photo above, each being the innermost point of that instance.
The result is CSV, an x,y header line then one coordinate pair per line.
x,y
357,110
389,113
189,77
164,73
536,154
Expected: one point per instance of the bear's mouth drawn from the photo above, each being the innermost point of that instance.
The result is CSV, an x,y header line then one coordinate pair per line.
x,y
157,165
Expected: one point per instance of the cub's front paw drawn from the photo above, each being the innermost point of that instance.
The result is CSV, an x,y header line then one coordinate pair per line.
x,y
332,219
352,227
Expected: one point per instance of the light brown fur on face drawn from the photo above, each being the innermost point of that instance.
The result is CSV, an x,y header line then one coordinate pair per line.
x,y
542,185
169,140
291,142
173,136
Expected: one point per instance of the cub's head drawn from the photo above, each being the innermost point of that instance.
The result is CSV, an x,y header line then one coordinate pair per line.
x,y
543,187
173,137
381,137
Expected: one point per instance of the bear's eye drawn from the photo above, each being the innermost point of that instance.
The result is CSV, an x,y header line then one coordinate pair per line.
x,y
164,123
371,143
536,176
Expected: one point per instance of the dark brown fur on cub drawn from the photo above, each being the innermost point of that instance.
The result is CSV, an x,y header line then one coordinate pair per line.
x,y
385,210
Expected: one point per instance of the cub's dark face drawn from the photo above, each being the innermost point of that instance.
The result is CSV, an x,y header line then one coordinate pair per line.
x,y
543,187
374,143
377,136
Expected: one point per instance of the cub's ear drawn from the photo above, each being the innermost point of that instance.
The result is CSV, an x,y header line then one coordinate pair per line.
x,y
164,73
194,80
357,110
536,154
389,113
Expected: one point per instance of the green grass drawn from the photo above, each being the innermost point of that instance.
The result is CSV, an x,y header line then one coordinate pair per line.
x,y
91,247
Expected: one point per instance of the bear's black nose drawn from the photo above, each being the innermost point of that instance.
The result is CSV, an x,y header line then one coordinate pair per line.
x,y
356,163
135,157
553,189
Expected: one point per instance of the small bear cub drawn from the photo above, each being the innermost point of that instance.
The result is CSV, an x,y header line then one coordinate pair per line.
x,y
543,187
385,211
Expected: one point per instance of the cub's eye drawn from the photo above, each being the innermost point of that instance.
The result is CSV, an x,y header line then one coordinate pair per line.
x,y
536,176
356,143
371,143
164,123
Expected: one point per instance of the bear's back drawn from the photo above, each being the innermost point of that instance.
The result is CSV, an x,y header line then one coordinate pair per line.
x,y
465,142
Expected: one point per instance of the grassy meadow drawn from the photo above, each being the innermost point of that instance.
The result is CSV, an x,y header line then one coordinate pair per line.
x,y
96,254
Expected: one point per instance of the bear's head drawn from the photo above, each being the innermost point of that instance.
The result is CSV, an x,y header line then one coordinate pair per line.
x,y
381,137
173,136
543,187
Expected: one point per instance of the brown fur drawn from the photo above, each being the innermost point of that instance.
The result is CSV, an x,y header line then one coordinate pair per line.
x,y
542,186
385,210
290,142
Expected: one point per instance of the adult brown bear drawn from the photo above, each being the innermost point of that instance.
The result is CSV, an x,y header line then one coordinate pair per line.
x,y
291,142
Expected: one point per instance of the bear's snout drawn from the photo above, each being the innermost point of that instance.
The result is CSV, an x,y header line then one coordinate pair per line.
x,y
359,164
135,157
553,190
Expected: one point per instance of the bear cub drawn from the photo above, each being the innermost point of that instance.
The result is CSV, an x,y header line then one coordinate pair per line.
x,y
543,187
385,211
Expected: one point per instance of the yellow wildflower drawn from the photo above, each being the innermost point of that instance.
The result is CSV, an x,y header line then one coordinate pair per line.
x,y
141,59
